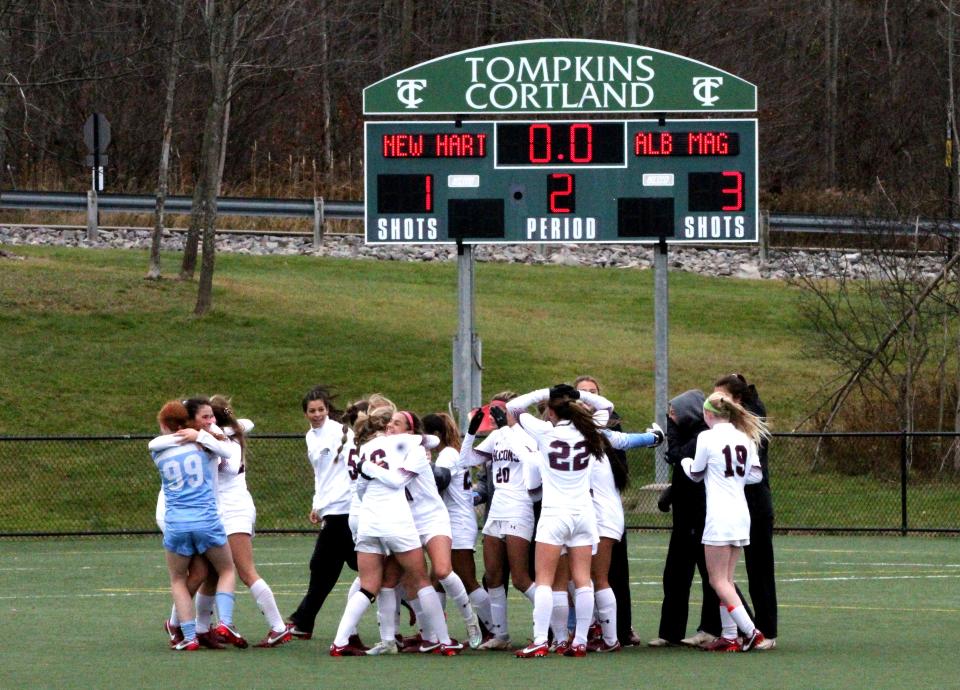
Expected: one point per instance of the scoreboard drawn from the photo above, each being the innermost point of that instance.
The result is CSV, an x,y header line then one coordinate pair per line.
x,y
577,181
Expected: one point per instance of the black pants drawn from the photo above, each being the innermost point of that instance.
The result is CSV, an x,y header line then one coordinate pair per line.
x,y
684,555
619,577
758,557
333,548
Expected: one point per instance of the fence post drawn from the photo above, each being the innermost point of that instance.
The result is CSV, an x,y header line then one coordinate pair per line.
x,y
764,236
92,213
317,222
903,483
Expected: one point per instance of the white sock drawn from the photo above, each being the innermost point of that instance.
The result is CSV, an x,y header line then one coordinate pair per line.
x,y
205,603
531,593
480,600
542,610
743,620
354,587
357,604
498,612
386,606
583,600
443,600
607,614
263,596
558,616
174,618
729,625
433,615
453,586
421,622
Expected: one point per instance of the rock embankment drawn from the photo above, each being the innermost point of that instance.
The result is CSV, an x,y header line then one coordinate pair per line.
x,y
739,262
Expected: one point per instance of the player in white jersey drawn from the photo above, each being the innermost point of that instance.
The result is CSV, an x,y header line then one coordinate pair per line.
x,y
239,514
191,525
726,459
433,525
387,466
509,526
569,442
330,509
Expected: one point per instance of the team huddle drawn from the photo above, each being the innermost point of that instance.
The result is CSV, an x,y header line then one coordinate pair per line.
x,y
393,491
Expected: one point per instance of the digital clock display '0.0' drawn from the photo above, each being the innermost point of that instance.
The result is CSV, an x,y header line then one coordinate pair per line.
x,y
532,144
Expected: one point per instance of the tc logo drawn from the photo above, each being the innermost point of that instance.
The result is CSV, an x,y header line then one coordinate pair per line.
x,y
407,91
703,89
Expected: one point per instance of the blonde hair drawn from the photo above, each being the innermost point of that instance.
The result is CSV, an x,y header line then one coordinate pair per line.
x,y
723,406
371,423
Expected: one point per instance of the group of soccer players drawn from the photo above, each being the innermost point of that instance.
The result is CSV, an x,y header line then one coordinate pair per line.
x,y
392,490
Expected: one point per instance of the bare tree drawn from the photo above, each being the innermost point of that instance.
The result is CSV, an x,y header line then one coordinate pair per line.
x,y
163,174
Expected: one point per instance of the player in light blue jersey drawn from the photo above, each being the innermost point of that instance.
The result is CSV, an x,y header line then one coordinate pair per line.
x,y
191,523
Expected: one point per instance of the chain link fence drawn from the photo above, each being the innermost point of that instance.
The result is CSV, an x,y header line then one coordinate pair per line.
x,y
897,482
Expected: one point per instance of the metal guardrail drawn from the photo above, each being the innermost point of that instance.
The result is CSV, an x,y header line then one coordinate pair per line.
x,y
320,209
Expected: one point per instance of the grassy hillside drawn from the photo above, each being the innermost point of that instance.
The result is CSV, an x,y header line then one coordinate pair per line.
x,y
88,346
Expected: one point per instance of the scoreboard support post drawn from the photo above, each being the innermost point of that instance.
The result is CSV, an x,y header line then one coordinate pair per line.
x,y
466,345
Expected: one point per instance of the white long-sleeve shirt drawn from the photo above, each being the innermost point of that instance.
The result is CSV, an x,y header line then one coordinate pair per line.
x,y
331,480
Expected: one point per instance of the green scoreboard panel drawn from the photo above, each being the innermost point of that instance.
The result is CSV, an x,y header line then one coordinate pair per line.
x,y
561,181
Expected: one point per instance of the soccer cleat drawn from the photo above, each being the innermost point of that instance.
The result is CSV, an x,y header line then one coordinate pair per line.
x,y
383,647
633,640
186,646
357,642
229,634
594,632
275,639
209,640
602,646
699,640
474,633
428,646
561,647
450,649
174,631
752,640
576,650
496,644
410,645
532,650
767,643
722,644
297,633
346,650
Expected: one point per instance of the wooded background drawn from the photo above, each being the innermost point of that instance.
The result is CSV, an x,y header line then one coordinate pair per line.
x,y
854,95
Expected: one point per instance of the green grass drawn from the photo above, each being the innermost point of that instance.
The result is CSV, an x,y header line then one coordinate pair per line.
x,y
855,612
91,347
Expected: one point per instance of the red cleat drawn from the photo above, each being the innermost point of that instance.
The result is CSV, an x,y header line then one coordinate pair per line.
x,y
297,633
346,650
186,646
229,634
451,649
275,639
576,650
752,640
355,641
722,644
174,631
209,640
600,645
533,650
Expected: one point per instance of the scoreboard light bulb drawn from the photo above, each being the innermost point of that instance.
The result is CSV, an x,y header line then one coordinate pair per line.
x,y
657,179
463,181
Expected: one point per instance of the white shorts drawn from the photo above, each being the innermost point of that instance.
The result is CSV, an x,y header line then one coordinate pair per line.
x,y
386,545
353,521
609,527
517,527
239,520
464,534
568,530
726,542
439,527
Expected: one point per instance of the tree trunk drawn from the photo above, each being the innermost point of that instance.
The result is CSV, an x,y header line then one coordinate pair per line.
x,y
631,20
223,38
325,97
163,177
832,41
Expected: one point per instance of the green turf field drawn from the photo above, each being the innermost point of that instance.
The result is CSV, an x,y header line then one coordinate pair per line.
x,y
854,612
